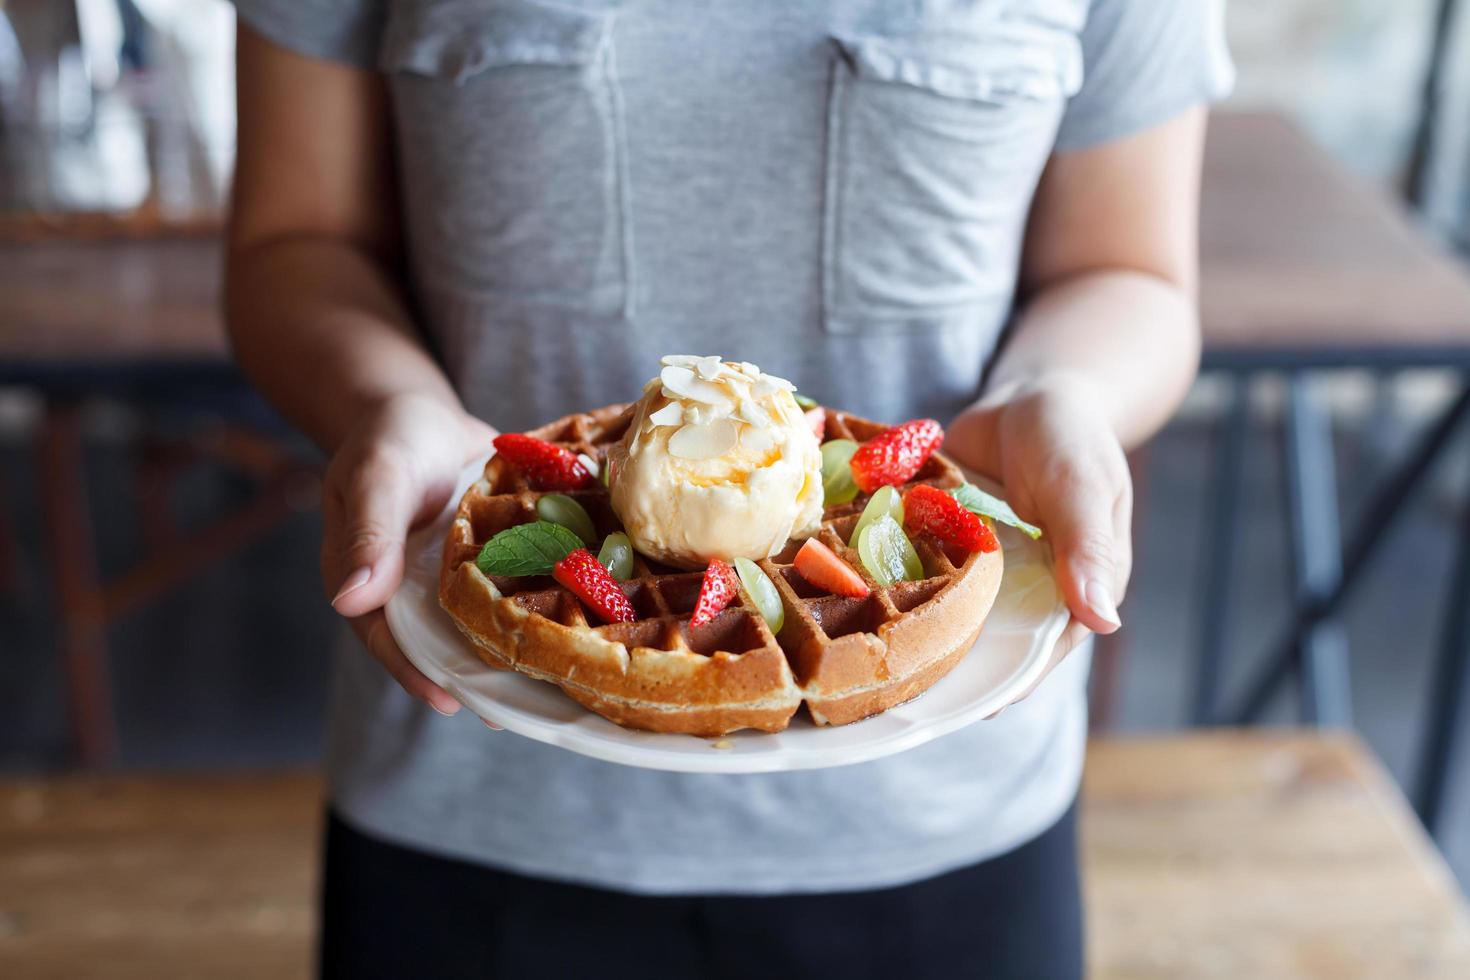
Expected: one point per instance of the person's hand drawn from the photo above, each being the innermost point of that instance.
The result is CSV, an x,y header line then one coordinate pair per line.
x,y
1052,448
395,470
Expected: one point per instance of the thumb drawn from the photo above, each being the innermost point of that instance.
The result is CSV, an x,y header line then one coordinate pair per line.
x,y
377,509
1081,530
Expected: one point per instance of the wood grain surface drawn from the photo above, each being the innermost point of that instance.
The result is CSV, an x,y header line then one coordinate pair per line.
x,y
1261,855
1221,855
1298,252
158,877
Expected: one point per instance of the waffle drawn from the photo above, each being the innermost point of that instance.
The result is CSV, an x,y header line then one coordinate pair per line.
x,y
845,658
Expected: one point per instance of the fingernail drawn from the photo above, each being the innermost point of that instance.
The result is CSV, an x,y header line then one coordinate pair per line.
x,y
354,582
444,709
1101,601
492,726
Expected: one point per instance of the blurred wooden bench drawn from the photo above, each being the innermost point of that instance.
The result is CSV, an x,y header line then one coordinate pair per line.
x,y
1232,855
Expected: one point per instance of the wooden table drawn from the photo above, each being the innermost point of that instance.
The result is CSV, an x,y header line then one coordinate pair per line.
x,y
1231,855
1262,855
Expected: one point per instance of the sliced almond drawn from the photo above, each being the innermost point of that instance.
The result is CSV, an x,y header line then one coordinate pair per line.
x,y
752,412
681,383
670,414
704,441
710,368
757,440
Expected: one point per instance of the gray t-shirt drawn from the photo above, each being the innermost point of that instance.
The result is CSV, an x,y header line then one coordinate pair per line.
x,y
836,191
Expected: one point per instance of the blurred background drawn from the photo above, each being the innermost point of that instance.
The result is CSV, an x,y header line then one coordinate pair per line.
x,y
160,610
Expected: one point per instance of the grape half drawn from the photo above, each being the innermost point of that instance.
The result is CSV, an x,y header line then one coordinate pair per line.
x,y
762,592
838,486
887,553
886,500
558,508
617,556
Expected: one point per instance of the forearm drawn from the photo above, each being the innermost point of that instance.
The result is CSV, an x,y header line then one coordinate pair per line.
x,y
1131,339
320,329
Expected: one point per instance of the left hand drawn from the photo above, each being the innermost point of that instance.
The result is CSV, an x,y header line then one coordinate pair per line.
x,y
1051,446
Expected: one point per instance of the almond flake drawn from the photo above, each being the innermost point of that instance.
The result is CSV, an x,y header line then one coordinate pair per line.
x,y
670,414
681,383
703,441
753,413
710,368
757,440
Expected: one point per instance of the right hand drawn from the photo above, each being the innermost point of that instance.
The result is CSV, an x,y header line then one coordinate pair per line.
x,y
395,470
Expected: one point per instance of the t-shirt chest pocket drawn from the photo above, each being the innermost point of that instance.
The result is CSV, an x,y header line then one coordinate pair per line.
x,y
934,147
511,139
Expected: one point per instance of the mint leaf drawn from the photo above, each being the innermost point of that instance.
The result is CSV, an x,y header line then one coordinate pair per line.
x,y
803,402
977,501
527,549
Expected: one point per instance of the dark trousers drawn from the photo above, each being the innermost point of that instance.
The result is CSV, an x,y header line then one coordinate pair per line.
x,y
393,912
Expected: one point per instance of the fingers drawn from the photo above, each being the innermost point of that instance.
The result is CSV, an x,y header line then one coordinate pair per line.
x,y
1091,561
375,635
377,507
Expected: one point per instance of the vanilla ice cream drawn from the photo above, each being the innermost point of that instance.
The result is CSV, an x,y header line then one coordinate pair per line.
x,y
718,462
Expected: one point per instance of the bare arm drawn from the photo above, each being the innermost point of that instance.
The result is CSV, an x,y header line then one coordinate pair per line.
x,y
319,325
1105,347
315,315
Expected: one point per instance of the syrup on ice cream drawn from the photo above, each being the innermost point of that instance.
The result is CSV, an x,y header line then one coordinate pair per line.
x,y
718,462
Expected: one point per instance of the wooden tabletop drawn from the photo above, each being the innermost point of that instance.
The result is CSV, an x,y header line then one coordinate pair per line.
x,y
1225,855
1262,855
1299,253
111,302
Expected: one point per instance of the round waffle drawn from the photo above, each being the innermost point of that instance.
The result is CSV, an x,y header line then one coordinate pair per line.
x,y
845,658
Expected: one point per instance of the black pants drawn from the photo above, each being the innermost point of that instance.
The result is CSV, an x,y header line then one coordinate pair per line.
x,y
393,912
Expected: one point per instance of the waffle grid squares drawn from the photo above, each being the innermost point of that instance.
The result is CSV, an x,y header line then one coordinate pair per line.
x,y
664,597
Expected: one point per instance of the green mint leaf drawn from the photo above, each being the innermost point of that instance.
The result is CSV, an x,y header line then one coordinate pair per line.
x,y
527,549
977,501
805,403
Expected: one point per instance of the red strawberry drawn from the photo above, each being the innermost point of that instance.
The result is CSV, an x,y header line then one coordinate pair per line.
x,y
820,566
893,456
817,419
715,592
928,509
546,466
590,581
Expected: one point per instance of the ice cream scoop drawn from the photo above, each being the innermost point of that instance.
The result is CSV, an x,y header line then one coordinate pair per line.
x,y
718,462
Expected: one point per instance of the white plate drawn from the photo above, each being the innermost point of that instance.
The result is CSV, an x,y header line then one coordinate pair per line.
x,y
1011,653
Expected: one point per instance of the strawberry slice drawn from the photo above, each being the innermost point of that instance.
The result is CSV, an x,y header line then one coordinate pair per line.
x,y
820,566
545,465
590,581
817,419
893,456
935,512
715,592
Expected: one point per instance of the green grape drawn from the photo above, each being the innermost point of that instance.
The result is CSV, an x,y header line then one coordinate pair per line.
x,y
838,486
886,500
887,553
558,508
763,591
617,556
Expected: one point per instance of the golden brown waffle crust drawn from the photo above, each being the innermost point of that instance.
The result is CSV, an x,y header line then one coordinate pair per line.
x,y
658,674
